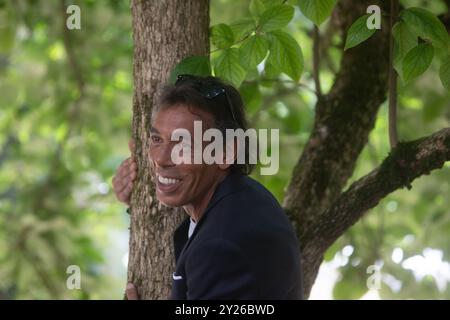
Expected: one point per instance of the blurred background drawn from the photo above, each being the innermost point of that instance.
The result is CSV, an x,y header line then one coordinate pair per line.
x,y
65,120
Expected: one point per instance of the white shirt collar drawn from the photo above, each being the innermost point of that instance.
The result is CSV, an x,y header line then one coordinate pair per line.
x,y
192,226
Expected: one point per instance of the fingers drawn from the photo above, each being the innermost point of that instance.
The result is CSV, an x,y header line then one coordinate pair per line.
x,y
126,170
123,189
120,182
125,194
124,179
131,292
127,167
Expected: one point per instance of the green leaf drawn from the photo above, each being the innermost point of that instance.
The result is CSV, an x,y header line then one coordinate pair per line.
x,y
253,50
195,65
276,17
427,26
256,8
444,72
270,72
358,32
272,3
242,27
222,36
252,74
285,54
251,95
317,10
417,61
227,66
405,40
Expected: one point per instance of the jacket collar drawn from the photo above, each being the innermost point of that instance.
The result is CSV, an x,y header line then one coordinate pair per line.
x,y
231,184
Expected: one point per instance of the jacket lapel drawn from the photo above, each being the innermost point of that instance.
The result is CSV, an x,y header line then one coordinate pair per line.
x,y
180,237
231,184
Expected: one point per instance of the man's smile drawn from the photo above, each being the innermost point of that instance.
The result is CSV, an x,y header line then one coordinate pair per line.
x,y
167,184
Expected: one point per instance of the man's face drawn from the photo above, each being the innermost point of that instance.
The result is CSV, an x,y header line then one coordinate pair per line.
x,y
179,184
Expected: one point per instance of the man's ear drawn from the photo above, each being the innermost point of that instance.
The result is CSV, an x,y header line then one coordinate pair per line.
x,y
230,154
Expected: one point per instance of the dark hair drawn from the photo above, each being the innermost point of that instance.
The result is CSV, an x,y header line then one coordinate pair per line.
x,y
214,96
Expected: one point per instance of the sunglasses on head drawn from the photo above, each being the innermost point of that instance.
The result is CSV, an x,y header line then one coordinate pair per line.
x,y
208,91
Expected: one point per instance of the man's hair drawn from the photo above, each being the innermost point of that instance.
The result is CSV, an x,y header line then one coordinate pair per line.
x,y
214,96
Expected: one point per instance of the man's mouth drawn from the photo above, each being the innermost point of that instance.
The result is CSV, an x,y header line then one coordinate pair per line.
x,y
167,184
166,180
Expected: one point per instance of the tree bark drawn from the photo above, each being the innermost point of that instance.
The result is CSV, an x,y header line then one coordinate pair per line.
x,y
343,120
405,163
164,32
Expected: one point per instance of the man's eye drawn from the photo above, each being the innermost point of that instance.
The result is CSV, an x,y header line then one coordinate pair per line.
x,y
155,139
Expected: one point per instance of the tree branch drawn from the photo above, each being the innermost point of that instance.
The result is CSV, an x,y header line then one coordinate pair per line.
x,y
343,120
405,163
316,61
326,43
393,138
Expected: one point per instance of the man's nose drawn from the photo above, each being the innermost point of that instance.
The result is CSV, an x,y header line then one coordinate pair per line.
x,y
163,156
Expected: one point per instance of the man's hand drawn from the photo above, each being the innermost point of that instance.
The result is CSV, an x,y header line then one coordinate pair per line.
x,y
123,181
131,292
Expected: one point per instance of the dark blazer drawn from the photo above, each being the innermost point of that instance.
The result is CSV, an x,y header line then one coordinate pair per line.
x,y
243,247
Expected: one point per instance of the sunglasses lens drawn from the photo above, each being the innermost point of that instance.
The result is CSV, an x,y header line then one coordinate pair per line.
x,y
207,91
213,92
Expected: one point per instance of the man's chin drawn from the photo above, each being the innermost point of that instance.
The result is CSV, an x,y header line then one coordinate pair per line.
x,y
168,202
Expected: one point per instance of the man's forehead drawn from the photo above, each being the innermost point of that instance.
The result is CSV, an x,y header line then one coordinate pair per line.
x,y
175,117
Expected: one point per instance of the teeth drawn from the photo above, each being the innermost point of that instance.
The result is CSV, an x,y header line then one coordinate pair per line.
x,y
164,180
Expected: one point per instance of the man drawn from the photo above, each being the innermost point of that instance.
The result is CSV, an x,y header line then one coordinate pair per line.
x,y
237,242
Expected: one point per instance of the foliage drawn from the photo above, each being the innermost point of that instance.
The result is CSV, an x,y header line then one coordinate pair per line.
x,y
358,32
242,45
317,10
417,61
61,140
411,59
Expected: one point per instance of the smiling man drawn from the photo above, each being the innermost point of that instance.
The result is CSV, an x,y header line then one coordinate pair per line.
x,y
236,243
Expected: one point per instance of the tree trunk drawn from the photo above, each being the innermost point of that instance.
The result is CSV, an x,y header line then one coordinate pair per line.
x,y
164,33
343,121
